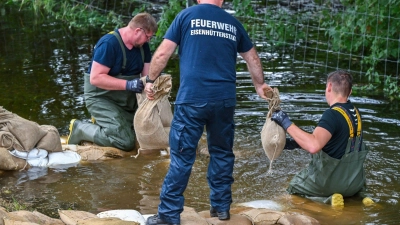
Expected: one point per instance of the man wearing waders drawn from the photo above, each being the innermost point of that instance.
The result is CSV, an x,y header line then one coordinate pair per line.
x,y
338,151
209,40
111,83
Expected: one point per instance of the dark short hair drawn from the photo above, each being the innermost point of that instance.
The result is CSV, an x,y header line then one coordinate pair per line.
x,y
342,82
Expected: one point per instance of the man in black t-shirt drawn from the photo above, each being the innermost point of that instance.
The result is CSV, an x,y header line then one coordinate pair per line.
x,y
336,144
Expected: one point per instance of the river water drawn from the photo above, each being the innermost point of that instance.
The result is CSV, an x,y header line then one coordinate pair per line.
x,y
41,68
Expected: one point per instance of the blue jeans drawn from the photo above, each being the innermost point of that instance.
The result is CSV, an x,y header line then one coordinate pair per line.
x,y
186,129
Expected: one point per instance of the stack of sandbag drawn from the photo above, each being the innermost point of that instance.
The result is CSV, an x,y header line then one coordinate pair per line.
x,y
152,121
273,136
22,135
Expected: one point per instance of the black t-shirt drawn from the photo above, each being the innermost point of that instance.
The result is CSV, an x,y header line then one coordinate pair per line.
x,y
336,124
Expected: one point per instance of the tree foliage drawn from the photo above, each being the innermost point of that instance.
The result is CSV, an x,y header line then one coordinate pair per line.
x,y
367,27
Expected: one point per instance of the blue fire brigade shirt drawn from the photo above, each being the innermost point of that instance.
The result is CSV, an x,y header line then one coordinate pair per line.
x,y
209,39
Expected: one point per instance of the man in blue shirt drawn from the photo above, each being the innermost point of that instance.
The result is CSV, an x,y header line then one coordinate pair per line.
x,y
209,39
111,83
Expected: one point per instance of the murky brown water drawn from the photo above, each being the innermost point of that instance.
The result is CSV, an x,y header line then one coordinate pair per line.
x,y
41,80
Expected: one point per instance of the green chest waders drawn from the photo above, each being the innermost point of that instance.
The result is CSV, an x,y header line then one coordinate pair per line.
x,y
325,175
113,110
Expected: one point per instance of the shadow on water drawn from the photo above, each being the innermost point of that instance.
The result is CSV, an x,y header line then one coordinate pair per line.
x,y
41,80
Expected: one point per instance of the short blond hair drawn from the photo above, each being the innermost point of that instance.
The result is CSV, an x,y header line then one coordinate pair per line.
x,y
144,21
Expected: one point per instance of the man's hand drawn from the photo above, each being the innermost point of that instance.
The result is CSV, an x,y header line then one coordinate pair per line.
x,y
149,91
135,85
264,91
282,119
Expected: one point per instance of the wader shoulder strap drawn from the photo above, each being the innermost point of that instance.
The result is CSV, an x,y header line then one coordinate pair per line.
x,y
359,122
121,43
350,123
142,53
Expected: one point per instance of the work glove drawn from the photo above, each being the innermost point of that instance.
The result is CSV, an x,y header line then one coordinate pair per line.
x,y
282,119
135,85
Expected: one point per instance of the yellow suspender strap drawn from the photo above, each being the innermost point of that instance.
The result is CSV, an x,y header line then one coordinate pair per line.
x,y
342,111
344,114
359,122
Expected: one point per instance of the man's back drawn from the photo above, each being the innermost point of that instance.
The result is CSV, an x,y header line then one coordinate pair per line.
x,y
209,39
338,125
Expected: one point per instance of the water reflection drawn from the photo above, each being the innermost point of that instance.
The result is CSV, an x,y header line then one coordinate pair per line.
x,y
31,174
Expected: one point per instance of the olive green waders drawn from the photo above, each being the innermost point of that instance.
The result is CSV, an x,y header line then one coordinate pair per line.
x,y
112,113
325,175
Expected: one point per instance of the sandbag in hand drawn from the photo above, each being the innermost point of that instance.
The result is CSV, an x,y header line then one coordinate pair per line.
x,y
282,119
135,85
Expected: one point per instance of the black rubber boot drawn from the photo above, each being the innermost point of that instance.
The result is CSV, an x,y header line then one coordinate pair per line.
x,y
155,220
80,131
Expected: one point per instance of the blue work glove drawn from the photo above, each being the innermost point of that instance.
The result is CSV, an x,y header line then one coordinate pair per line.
x,y
135,85
282,119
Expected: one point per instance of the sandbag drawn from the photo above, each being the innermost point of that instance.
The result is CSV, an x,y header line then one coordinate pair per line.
x,y
10,162
35,217
32,154
297,219
63,158
18,133
234,220
3,213
35,157
189,216
27,133
72,217
263,216
94,152
124,214
7,139
106,221
273,136
51,141
153,118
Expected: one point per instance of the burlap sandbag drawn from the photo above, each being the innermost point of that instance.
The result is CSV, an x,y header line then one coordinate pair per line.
x,y
106,221
297,219
7,140
25,217
273,136
90,153
153,118
263,216
10,162
189,216
5,114
50,142
72,217
26,133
